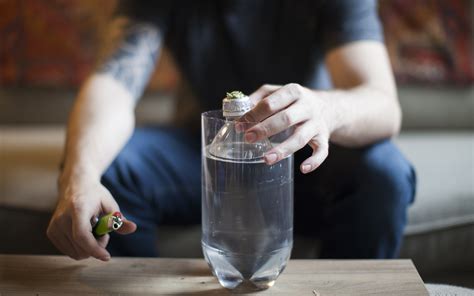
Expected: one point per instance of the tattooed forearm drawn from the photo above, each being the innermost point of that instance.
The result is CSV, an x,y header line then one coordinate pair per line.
x,y
133,59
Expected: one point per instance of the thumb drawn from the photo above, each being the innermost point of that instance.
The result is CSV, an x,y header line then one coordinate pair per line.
x,y
127,227
108,203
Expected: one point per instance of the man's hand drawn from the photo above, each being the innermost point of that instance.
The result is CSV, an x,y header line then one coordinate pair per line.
x,y
280,107
70,229
362,109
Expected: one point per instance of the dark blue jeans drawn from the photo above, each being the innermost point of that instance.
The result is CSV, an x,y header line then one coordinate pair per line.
x,y
355,203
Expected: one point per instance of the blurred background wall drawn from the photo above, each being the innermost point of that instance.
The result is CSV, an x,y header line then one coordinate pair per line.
x,y
52,46
53,43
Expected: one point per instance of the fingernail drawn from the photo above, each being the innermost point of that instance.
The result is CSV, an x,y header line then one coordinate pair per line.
x,y
271,158
106,258
250,137
306,168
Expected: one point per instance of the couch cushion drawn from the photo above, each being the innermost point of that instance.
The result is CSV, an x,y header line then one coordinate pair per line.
x,y
442,216
444,163
440,233
445,167
29,163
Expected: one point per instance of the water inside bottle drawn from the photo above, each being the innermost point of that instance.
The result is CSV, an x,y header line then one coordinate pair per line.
x,y
247,216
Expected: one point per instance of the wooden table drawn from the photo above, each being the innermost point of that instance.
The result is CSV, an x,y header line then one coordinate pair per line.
x,y
58,275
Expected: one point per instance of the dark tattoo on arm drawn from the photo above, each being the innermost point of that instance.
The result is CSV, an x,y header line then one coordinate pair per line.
x,y
133,60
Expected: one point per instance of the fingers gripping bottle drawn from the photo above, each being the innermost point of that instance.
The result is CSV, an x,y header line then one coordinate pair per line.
x,y
247,205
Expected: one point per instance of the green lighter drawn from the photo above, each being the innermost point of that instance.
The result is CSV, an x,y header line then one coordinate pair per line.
x,y
107,223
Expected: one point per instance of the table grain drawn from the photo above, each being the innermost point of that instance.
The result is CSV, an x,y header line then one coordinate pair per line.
x,y
60,275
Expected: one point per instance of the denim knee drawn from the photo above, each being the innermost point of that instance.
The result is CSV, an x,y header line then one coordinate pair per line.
x,y
387,183
386,171
158,172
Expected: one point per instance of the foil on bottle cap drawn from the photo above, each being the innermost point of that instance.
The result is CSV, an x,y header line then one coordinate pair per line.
x,y
236,104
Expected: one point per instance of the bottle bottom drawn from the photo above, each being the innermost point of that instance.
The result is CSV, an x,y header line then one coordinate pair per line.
x,y
246,272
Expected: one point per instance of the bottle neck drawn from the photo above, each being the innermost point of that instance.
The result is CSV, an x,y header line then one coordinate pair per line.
x,y
232,118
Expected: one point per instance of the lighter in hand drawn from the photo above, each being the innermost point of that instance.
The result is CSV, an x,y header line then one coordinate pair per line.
x,y
107,223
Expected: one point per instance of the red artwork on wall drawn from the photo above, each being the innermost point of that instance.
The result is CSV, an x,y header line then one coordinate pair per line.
x,y
54,43
49,43
430,41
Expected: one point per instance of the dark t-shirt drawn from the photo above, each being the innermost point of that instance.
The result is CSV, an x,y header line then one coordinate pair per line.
x,y
226,45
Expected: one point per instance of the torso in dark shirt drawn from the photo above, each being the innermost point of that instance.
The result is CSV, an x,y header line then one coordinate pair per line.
x,y
225,45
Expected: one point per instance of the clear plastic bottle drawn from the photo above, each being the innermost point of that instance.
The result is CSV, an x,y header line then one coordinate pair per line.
x,y
247,205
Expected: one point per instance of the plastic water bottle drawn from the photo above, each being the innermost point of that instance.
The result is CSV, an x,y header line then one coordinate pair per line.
x,y
247,205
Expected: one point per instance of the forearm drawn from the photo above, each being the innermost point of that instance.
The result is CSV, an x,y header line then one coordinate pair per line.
x,y
361,115
363,107
100,123
102,119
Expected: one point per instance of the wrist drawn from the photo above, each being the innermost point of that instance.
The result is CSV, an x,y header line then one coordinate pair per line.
x,y
329,111
77,175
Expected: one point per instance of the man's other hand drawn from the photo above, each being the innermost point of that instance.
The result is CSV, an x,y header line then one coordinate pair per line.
x,y
70,228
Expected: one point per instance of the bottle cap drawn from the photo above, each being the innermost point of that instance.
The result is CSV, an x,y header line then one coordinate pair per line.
x,y
236,104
